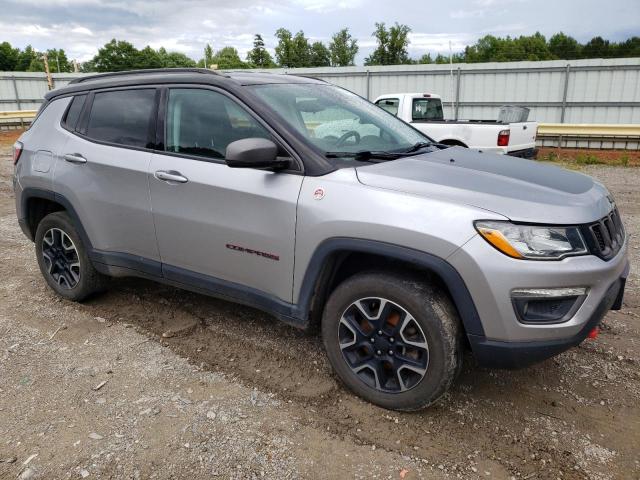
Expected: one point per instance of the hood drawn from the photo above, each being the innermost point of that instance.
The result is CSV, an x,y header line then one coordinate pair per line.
x,y
521,190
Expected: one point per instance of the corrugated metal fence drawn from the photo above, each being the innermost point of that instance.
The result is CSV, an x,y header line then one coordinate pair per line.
x,y
559,91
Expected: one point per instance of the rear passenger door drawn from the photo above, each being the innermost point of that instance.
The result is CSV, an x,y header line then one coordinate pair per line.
x,y
214,222
103,173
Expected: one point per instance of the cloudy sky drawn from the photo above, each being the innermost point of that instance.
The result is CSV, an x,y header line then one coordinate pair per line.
x,y
82,26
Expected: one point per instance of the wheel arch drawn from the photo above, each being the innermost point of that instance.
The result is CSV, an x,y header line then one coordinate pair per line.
x,y
36,203
338,258
453,142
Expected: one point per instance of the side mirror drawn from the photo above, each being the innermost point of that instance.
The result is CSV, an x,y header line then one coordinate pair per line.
x,y
254,153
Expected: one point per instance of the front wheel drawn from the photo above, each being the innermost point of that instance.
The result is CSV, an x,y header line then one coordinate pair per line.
x,y
393,339
63,259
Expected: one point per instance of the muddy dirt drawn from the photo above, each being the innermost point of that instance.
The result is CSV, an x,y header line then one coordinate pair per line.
x,y
197,387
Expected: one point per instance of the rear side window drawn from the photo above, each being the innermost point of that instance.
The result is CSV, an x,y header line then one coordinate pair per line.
x,y
389,104
427,109
73,113
123,117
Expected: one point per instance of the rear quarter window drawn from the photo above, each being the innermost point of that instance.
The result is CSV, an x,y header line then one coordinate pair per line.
x,y
389,104
123,117
70,120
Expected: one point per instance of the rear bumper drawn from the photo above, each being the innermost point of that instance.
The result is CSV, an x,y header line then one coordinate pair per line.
x,y
526,153
512,355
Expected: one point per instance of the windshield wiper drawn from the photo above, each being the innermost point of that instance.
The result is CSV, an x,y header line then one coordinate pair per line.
x,y
418,146
365,155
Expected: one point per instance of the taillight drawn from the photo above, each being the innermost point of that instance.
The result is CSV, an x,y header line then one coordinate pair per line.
x,y
503,138
17,151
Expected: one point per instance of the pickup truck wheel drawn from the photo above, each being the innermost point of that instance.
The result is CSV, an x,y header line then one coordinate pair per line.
x,y
393,339
63,259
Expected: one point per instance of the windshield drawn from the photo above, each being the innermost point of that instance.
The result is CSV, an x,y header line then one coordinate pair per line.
x,y
337,121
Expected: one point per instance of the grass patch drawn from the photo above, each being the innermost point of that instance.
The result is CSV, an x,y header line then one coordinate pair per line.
x,y
582,159
578,158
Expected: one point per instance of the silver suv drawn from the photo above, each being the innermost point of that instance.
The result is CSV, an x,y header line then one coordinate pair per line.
x,y
245,186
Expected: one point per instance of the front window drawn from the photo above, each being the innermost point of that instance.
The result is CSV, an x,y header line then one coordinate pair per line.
x,y
335,120
203,122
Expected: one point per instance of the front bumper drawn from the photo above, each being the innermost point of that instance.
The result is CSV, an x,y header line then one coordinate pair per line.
x,y
499,354
504,340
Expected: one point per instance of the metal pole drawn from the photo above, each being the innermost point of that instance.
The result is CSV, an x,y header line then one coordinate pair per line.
x,y
564,93
45,57
15,89
457,93
451,79
368,85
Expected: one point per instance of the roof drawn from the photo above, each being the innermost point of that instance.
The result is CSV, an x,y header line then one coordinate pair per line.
x,y
176,75
410,94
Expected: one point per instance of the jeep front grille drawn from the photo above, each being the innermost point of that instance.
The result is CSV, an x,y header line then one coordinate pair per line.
x,y
606,236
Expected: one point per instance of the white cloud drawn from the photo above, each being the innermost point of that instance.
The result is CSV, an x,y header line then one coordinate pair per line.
x,y
459,14
81,27
324,6
82,31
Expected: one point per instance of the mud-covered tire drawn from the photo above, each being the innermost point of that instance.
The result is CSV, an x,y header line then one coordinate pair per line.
x,y
438,323
82,280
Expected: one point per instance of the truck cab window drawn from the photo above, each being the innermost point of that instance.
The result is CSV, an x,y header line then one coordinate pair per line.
x,y
427,109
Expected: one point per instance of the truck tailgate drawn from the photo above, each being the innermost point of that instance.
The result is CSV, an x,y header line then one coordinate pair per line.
x,y
523,135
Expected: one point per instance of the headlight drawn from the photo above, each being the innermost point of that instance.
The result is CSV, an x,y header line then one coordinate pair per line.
x,y
534,242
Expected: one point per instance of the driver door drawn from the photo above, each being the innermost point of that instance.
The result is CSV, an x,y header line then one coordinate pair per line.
x,y
215,223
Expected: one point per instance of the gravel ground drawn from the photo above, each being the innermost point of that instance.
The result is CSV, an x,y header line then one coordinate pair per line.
x,y
147,381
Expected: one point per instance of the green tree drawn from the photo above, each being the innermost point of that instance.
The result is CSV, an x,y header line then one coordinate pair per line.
x,y
597,47
534,46
259,56
285,52
301,50
115,56
319,56
58,61
564,47
88,67
208,56
25,57
174,59
292,51
8,57
343,49
426,58
228,59
392,45
148,58
629,48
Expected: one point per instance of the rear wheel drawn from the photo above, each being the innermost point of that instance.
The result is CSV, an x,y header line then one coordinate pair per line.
x,y
393,339
63,259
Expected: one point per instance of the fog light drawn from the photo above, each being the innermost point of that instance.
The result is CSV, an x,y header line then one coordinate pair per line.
x,y
547,305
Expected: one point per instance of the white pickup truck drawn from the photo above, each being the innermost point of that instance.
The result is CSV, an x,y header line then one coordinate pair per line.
x,y
424,112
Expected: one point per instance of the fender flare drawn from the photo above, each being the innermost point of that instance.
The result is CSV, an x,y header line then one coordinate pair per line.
x,y
124,260
449,275
32,192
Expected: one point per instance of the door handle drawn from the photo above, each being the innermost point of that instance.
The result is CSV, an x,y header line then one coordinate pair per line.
x,y
74,158
171,176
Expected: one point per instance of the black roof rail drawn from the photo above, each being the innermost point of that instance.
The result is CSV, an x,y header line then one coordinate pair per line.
x,y
100,76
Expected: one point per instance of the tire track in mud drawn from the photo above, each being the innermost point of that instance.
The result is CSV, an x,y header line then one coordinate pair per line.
x,y
260,352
